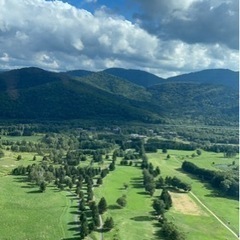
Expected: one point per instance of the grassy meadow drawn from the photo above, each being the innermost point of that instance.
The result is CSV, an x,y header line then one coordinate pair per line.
x,y
200,226
27,214
135,220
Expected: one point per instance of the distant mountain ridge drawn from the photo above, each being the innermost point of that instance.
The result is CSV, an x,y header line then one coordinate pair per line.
x,y
116,85
33,93
138,77
224,77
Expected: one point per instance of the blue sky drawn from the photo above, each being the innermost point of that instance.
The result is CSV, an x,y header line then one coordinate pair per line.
x,y
164,37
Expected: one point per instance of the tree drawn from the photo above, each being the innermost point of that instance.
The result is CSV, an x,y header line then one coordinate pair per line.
x,y
112,166
102,205
82,205
99,181
159,206
160,182
199,152
84,229
42,186
122,201
170,232
164,150
166,197
1,154
150,187
19,157
108,224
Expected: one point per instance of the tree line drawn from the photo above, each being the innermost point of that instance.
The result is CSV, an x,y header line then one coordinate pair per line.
x,y
225,182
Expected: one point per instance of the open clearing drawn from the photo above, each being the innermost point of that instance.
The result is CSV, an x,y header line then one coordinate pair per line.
x,y
182,203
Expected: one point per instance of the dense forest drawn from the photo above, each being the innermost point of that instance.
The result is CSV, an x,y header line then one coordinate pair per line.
x,y
105,96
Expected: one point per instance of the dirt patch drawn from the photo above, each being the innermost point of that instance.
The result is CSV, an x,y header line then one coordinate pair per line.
x,y
184,204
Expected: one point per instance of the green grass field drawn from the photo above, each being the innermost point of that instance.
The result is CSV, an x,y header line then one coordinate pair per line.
x,y
135,220
27,214
200,227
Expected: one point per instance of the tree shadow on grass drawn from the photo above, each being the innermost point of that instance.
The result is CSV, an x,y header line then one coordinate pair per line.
x,y
74,223
35,191
74,207
30,185
142,218
103,230
114,207
71,238
137,185
74,212
74,229
143,193
21,179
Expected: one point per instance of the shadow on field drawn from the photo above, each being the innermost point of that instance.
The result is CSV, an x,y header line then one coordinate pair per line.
x,y
29,186
73,238
35,191
143,193
137,182
114,207
74,212
142,218
21,179
74,223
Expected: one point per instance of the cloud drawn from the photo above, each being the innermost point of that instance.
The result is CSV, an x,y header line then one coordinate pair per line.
x,y
192,21
57,36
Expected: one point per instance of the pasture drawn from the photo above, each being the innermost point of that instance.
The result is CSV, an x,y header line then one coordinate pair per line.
x,y
134,221
201,226
26,213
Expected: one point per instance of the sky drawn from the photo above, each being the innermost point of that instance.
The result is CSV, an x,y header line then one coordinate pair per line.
x,y
164,37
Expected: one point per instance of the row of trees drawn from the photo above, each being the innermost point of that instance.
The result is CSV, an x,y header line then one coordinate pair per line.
x,y
226,183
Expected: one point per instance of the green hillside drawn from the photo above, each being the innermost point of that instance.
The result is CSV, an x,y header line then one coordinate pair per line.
x,y
33,93
117,86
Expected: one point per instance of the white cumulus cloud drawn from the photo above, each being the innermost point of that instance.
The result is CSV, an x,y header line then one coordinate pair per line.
x,y
57,36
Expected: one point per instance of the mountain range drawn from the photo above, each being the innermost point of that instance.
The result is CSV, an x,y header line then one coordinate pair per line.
x,y
207,97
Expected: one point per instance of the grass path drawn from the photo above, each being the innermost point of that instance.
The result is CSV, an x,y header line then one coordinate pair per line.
x,y
213,214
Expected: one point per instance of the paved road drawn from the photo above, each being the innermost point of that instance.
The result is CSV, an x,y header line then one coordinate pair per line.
x,y
214,215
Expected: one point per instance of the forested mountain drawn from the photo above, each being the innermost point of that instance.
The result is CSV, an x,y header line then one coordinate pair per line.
x,y
211,76
79,73
138,77
32,93
117,86
209,104
37,94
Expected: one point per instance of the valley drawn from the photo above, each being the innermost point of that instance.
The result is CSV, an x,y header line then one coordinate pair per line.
x,y
117,156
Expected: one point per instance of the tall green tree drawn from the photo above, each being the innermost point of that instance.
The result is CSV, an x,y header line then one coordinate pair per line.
x,y
108,224
166,197
159,206
102,205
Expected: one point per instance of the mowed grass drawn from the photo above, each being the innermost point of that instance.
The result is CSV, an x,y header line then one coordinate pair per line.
x,y
134,221
27,214
202,226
